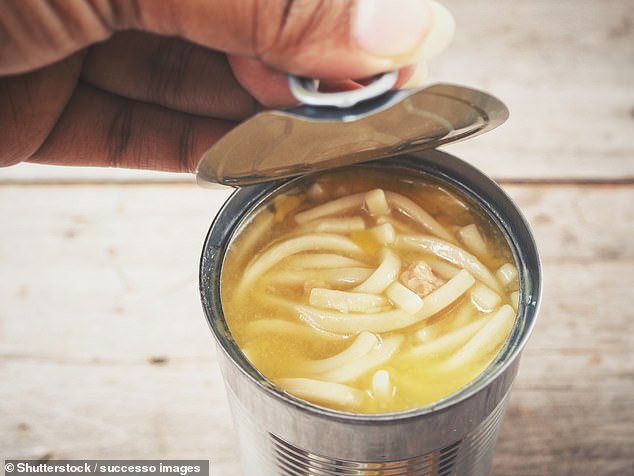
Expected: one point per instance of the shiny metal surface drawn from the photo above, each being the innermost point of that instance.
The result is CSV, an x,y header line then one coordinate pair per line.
x,y
305,90
265,453
282,435
279,144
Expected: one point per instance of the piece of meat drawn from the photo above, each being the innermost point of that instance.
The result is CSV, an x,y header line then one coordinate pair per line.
x,y
420,278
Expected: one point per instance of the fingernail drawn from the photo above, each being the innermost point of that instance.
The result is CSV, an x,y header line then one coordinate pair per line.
x,y
393,28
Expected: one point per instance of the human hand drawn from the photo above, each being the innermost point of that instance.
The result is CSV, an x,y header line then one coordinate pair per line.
x,y
153,84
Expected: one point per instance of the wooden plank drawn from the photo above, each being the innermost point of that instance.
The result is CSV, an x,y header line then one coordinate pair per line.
x,y
563,68
117,265
66,410
572,405
579,223
106,352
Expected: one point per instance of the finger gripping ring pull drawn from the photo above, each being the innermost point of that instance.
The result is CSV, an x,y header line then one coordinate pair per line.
x,y
306,90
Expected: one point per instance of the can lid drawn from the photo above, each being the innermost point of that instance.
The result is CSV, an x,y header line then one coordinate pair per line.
x,y
284,143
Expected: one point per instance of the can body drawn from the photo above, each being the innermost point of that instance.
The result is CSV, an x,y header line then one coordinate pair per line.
x,y
279,435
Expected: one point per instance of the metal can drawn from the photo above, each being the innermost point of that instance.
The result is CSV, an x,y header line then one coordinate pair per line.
x,y
282,435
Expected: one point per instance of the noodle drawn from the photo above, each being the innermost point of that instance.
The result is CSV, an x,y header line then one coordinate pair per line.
x,y
383,276
470,236
345,301
350,323
360,347
416,213
496,329
334,225
447,342
354,369
346,277
382,387
292,246
340,205
321,260
323,392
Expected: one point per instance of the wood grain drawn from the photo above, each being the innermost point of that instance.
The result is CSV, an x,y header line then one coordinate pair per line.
x,y
564,70
104,351
572,405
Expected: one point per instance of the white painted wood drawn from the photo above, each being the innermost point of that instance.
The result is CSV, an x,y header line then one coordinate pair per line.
x,y
565,71
104,350
119,263
578,223
571,408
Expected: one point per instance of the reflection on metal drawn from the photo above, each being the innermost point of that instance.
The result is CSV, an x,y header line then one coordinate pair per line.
x,y
306,91
469,455
277,144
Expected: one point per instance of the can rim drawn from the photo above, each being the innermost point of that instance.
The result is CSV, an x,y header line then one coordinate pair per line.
x,y
277,144
440,165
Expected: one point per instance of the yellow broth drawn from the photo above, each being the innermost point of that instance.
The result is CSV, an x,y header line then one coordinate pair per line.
x,y
265,299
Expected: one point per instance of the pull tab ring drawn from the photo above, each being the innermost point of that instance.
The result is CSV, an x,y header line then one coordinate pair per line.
x,y
306,90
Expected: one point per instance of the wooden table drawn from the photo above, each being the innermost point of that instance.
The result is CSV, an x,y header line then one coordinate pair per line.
x,y
104,352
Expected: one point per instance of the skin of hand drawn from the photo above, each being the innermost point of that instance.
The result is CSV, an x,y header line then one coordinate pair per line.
x,y
153,84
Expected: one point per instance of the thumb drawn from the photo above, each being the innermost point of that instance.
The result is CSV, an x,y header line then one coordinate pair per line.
x,y
328,39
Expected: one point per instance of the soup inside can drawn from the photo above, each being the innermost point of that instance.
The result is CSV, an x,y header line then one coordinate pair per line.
x,y
369,290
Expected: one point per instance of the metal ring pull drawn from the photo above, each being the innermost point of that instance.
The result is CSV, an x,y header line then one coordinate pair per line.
x,y
306,90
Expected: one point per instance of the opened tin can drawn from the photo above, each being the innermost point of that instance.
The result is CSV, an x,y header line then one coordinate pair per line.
x,y
280,434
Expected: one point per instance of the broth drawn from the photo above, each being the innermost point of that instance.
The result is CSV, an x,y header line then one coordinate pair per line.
x,y
368,291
